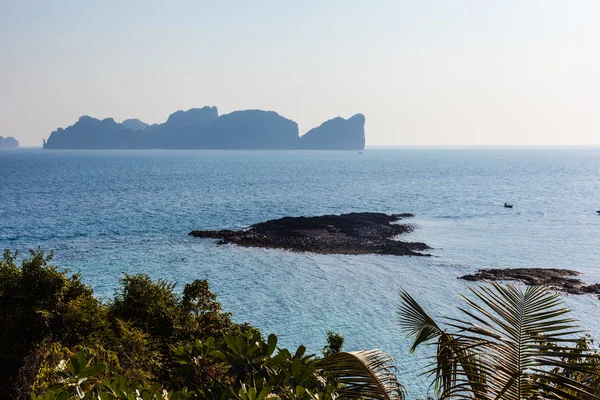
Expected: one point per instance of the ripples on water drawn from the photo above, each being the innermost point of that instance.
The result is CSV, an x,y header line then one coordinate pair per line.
x,y
111,212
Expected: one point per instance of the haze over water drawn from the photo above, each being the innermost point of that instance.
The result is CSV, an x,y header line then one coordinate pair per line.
x,y
111,212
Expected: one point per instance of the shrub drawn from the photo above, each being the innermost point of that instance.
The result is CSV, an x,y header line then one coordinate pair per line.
x,y
48,314
40,304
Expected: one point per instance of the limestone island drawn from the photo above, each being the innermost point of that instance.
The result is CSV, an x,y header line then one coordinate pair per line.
x,y
204,128
556,279
353,233
8,143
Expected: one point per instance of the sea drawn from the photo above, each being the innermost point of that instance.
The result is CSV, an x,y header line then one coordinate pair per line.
x,y
109,213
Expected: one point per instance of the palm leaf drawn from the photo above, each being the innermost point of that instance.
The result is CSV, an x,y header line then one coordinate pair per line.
x,y
367,374
511,326
416,322
451,356
500,350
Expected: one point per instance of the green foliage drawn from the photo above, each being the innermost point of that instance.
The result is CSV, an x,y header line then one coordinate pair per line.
x,y
46,363
139,354
197,363
81,378
248,367
203,312
58,343
511,344
148,343
261,371
364,374
155,308
39,303
335,342
150,306
48,314
580,364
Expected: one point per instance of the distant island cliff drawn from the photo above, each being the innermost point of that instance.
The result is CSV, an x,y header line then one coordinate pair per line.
x,y
8,143
203,128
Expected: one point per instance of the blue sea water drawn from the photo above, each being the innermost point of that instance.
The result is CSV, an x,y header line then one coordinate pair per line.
x,y
106,213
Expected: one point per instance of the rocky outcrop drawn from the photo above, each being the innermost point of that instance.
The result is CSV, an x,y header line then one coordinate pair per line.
x,y
8,143
336,134
249,129
92,133
553,278
182,129
134,124
191,117
203,128
354,233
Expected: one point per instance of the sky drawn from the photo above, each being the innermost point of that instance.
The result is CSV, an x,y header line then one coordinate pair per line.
x,y
424,73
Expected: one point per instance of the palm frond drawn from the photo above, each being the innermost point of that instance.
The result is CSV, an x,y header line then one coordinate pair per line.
x,y
416,322
506,346
512,327
367,374
454,359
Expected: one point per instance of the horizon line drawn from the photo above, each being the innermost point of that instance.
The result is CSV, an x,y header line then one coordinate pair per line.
x,y
384,147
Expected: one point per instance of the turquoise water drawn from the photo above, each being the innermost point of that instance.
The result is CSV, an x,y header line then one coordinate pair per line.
x,y
110,212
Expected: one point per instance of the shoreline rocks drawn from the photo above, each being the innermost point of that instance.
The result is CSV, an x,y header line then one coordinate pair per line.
x,y
553,278
353,233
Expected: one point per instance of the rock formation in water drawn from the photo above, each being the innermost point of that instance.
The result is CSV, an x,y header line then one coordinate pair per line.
x,y
203,128
553,278
8,143
354,233
337,134
92,133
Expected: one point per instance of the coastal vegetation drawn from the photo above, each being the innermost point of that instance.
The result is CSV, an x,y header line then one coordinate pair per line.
x,y
154,341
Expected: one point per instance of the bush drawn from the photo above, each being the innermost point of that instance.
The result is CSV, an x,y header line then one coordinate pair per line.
x,y
48,314
40,304
335,342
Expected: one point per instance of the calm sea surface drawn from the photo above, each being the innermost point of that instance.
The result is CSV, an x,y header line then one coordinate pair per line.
x,y
106,213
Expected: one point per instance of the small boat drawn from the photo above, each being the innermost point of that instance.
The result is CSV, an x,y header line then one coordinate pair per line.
x,y
506,205
598,211
360,152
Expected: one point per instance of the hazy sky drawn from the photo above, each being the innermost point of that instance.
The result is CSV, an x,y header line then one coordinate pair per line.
x,y
452,72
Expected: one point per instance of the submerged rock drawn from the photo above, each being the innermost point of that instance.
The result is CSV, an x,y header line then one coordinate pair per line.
x,y
553,278
354,233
